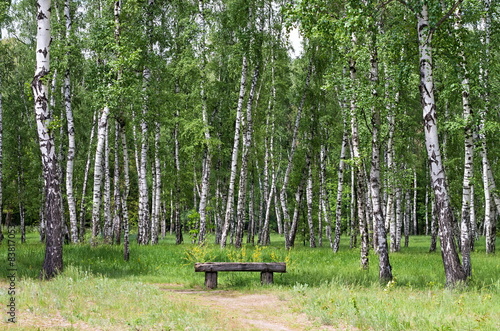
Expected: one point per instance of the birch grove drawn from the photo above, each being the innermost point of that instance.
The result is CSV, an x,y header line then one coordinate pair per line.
x,y
208,121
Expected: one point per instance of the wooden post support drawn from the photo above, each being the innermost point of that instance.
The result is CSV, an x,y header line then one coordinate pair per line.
x,y
266,277
211,279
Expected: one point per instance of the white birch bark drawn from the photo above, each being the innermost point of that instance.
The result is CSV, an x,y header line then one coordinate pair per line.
x,y
453,269
81,215
228,215
360,179
117,196
71,132
324,197
124,203
247,142
489,186
407,218
144,227
156,201
399,215
108,222
96,200
309,202
207,156
53,262
177,191
385,270
340,188
414,213
467,184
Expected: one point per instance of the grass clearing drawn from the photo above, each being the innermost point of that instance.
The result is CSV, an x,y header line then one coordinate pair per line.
x,y
98,290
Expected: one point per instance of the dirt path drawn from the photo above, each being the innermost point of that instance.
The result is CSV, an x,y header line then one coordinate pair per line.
x,y
261,311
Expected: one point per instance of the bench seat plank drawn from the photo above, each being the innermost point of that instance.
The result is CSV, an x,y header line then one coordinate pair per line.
x,y
240,266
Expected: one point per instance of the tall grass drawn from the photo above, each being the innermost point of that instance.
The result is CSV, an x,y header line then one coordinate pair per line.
x,y
100,289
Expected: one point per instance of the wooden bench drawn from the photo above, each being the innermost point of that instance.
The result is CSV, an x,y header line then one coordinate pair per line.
x,y
266,270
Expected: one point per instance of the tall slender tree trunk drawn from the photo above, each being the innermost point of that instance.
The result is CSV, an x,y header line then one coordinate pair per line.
x,y
399,216
414,213
177,190
81,216
71,131
309,202
360,179
156,201
96,201
488,180
467,197
453,269
293,147
207,154
340,189
53,261
117,196
247,142
143,235
228,215
385,270
124,199
107,228
324,197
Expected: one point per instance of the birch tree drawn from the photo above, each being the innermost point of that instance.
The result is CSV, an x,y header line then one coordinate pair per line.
x,y
53,261
453,269
71,129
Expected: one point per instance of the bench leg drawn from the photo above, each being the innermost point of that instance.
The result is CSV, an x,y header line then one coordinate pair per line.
x,y
211,279
266,277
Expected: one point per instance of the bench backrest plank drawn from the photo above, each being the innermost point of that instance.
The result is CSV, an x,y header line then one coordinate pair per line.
x,y
240,266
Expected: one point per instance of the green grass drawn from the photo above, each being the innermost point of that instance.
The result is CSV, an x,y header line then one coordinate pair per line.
x,y
99,289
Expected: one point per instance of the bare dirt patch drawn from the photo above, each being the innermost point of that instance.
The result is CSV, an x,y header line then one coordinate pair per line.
x,y
255,311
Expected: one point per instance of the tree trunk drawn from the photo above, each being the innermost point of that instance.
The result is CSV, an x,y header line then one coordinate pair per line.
x,y
399,216
414,214
156,201
309,202
124,202
177,190
108,222
53,262
360,179
207,155
96,202
83,207
385,270
143,235
488,180
467,197
324,197
453,269
228,215
299,194
247,142
293,147
407,218
117,196
71,132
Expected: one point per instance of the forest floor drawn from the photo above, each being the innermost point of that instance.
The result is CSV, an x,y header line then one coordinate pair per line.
x,y
253,311
235,310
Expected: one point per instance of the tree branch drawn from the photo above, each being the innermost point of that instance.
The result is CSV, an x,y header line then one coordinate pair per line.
x,y
445,17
